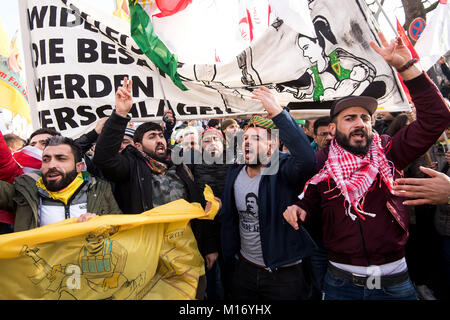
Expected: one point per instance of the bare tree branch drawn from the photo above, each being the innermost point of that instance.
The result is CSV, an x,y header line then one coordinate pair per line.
x,y
377,14
432,7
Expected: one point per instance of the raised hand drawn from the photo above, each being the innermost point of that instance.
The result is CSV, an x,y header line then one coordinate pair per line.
x,y
394,53
268,101
169,117
124,99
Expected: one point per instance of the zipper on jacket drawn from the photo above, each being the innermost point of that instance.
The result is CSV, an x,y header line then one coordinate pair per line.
x,y
364,243
67,206
67,211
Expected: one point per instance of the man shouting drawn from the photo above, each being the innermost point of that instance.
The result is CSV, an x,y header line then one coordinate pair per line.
x,y
364,226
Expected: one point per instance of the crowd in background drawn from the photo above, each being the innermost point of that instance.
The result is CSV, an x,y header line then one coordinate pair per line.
x,y
127,167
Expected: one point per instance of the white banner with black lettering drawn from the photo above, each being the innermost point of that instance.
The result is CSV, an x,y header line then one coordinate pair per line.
x,y
78,57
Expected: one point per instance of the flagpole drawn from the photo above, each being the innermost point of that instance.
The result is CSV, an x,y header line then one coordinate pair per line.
x,y
30,78
446,142
387,18
166,106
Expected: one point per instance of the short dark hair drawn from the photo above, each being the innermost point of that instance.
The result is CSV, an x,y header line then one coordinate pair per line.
x,y
49,131
59,140
143,128
251,195
213,123
398,123
395,114
321,122
11,139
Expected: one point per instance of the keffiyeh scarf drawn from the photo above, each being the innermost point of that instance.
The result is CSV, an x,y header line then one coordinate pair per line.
x,y
354,174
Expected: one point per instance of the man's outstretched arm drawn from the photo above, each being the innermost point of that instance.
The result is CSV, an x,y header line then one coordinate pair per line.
x,y
434,190
115,166
432,112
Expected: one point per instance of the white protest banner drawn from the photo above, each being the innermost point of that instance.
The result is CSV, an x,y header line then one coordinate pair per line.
x,y
79,57
434,41
77,63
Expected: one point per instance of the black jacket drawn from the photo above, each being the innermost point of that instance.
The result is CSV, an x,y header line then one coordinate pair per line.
x,y
85,142
133,178
213,175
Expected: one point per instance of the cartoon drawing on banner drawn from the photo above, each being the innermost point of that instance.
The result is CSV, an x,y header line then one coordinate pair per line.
x,y
336,73
244,60
206,74
100,268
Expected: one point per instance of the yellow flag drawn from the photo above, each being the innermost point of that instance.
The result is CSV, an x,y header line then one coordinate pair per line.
x,y
122,10
152,255
13,94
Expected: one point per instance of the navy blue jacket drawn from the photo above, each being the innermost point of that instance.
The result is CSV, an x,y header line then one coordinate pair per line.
x,y
281,244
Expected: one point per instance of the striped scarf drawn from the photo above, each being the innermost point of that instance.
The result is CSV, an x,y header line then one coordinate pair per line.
x,y
259,121
29,159
154,165
354,175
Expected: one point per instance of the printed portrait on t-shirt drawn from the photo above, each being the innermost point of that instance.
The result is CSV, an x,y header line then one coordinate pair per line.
x,y
249,217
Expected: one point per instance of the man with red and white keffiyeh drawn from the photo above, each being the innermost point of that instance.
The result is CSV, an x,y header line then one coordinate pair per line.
x,y
363,223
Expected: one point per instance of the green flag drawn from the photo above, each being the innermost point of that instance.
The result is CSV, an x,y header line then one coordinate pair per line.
x,y
143,33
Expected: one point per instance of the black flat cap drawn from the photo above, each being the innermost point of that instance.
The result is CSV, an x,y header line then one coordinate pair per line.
x,y
368,103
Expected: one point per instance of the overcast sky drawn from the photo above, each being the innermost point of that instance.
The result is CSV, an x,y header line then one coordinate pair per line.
x,y
10,11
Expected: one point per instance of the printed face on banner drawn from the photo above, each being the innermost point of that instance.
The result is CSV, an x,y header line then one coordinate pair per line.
x,y
79,60
334,63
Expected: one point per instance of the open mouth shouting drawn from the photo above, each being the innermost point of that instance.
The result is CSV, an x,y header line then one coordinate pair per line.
x,y
53,175
358,136
250,155
160,148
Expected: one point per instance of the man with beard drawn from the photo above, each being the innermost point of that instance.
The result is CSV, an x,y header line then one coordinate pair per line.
x,y
263,252
365,226
144,175
209,168
61,191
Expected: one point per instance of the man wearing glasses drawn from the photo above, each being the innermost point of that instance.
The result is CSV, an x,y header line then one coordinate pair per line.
x,y
322,135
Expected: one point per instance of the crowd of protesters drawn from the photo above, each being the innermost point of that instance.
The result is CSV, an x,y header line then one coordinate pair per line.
x,y
353,205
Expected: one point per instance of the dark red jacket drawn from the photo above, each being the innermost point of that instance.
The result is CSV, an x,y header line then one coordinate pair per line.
x,y
9,169
381,239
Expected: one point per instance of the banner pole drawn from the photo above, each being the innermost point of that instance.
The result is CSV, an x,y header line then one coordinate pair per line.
x,y
29,74
446,142
166,105
386,16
